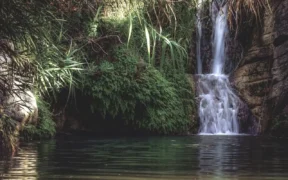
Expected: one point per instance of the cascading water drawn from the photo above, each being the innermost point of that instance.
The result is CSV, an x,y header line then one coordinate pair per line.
x,y
199,35
220,29
218,107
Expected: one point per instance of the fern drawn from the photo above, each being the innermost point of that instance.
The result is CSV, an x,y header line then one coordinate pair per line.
x,y
143,97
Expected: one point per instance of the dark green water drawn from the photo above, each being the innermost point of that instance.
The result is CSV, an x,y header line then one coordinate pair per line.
x,y
151,158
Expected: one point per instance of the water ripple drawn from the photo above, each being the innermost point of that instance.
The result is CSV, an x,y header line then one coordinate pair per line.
x,y
172,158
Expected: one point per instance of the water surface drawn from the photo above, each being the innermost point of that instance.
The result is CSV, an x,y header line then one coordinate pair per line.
x,y
151,158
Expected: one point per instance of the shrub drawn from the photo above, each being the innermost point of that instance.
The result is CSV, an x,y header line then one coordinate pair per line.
x,y
137,92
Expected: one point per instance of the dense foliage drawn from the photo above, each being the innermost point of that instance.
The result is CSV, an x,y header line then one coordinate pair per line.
x,y
129,58
140,94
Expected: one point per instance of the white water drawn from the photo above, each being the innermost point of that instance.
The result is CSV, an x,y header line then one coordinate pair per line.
x,y
199,35
218,107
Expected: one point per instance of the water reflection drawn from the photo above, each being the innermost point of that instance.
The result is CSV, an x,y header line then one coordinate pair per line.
x,y
172,158
243,157
218,156
22,166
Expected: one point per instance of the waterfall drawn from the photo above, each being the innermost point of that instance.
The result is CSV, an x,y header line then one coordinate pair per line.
x,y
218,106
220,29
199,35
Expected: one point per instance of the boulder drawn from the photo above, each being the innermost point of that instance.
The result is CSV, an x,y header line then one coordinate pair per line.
x,y
16,98
21,106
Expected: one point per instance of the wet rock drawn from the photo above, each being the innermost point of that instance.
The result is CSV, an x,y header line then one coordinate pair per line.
x,y
262,76
16,98
21,106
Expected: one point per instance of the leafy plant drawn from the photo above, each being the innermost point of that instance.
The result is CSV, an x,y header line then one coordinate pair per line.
x,y
45,128
160,49
57,69
137,92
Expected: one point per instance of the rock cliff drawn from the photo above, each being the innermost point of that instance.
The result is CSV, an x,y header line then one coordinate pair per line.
x,y
261,78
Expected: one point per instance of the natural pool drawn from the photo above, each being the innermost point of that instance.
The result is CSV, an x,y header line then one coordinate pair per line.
x,y
149,158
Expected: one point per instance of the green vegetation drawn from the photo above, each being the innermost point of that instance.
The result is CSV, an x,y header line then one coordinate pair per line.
x,y
140,94
8,133
129,58
143,80
45,127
